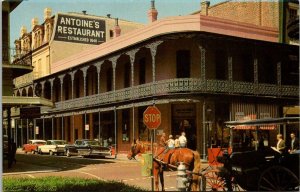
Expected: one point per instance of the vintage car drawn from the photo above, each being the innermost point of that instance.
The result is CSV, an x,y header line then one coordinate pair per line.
x,y
86,148
53,147
32,146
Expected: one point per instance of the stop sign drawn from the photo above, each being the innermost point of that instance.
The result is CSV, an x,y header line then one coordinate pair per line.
x,y
152,117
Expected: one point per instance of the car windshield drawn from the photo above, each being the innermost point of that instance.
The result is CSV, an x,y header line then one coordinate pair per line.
x,y
92,143
59,142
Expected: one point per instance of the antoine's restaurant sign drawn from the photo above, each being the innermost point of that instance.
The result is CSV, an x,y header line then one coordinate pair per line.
x,y
79,30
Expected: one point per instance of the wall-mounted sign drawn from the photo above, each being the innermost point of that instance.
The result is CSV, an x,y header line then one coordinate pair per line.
x,y
87,127
79,30
37,130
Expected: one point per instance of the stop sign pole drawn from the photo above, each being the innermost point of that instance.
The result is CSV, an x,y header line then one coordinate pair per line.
x,y
152,119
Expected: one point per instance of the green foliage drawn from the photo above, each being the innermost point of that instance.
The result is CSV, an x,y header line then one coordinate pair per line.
x,y
64,184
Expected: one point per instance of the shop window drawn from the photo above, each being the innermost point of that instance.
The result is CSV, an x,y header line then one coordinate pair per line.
x,y
183,58
144,133
142,71
126,125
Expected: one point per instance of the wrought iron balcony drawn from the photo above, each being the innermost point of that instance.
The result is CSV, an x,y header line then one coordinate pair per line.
x,y
172,86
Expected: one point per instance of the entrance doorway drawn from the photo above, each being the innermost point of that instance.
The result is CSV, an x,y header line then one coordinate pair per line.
x,y
183,120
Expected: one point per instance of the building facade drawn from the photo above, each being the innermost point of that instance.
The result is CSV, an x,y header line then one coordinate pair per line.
x,y
198,70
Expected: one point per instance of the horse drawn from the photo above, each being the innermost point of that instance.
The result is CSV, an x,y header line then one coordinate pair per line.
x,y
166,159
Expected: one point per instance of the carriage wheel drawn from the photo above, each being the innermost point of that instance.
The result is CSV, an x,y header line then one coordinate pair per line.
x,y
211,182
278,178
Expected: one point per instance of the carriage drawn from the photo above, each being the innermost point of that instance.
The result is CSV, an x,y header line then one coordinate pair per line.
x,y
262,169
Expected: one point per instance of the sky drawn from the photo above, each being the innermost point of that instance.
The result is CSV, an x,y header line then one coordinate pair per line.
x,y
131,10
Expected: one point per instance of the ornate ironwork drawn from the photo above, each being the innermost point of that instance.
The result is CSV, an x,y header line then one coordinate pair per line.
x,y
202,62
171,86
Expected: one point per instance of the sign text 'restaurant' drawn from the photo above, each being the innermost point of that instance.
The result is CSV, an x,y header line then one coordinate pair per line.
x,y
80,30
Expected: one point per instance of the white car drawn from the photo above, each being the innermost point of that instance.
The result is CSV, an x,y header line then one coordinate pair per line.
x,y
53,147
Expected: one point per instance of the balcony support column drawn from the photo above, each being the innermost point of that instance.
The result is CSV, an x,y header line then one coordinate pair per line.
x,y
230,77
43,87
51,88
153,50
72,74
279,78
255,67
52,127
61,78
131,55
98,66
84,70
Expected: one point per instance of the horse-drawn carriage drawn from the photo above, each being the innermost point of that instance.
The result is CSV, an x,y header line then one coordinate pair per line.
x,y
262,169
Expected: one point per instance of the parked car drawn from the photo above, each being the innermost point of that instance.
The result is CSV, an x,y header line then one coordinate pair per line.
x,y
86,148
53,147
32,146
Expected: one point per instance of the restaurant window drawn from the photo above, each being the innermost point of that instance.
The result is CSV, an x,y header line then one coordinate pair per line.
x,y
183,58
142,71
125,125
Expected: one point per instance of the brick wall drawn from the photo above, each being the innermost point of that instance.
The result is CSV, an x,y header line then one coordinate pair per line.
x,y
262,13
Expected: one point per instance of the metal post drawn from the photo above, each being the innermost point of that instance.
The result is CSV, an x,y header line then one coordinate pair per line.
x,y
133,122
9,135
44,128
99,127
152,176
52,127
27,127
73,128
115,114
84,125
34,125
62,127
204,131
16,130
22,132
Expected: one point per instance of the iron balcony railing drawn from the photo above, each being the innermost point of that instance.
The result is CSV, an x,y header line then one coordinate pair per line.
x,y
171,86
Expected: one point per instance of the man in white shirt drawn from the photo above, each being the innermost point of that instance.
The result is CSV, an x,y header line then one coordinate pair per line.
x,y
182,140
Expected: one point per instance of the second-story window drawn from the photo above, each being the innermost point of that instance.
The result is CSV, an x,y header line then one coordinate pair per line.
x,y
183,62
142,71
109,79
127,75
221,65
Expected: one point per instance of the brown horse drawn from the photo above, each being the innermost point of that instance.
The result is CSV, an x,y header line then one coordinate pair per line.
x,y
163,160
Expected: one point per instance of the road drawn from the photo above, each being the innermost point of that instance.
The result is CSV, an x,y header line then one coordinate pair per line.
x,y
121,169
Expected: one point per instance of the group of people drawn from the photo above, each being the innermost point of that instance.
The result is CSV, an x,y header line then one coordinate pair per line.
x,y
180,141
281,145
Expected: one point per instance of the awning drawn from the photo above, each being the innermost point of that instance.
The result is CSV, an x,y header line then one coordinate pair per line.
x,y
263,124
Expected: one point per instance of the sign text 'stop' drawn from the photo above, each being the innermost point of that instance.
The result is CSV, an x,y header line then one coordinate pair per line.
x,y
79,29
152,117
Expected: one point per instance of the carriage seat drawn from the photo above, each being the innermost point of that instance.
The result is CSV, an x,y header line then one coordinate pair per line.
x,y
248,161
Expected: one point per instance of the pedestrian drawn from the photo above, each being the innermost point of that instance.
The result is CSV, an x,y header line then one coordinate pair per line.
x,y
162,140
182,140
280,146
177,144
294,146
171,142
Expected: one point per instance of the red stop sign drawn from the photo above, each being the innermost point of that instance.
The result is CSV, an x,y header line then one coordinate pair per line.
x,y
152,117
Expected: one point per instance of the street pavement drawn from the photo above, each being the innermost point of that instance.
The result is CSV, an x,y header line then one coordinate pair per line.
x,y
119,169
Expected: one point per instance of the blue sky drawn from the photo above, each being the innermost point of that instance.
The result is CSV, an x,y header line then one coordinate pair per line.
x,y
132,10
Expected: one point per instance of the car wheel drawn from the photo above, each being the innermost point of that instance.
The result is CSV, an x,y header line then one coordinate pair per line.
x,y
50,153
68,153
33,152
40,152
